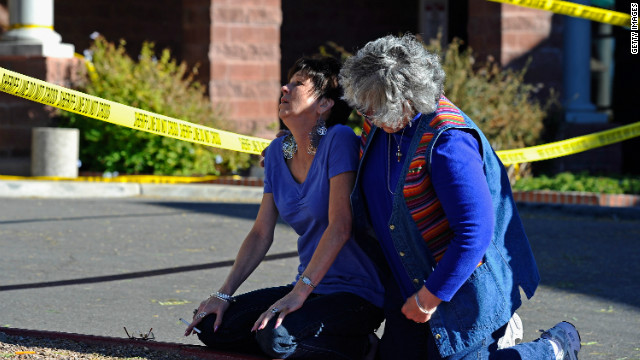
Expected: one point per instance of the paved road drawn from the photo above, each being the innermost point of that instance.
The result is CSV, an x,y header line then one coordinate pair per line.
x,y
93,266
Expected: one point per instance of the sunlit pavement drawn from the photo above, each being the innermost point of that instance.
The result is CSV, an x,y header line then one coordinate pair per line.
x,y
94,266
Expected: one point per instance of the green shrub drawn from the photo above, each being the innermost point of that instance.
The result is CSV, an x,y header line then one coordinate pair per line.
x,y
580,182
159,85
498,100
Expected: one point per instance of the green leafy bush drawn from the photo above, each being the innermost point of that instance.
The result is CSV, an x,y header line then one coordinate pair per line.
x,y
498,100
580,182
159,85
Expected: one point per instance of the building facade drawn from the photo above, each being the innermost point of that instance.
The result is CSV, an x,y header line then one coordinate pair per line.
x,y
243,49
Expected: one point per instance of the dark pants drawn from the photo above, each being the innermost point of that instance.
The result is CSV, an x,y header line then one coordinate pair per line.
x,y
332,326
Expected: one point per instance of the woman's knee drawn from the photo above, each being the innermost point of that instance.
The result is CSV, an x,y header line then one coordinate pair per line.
x,y
277,343
222,336
206,330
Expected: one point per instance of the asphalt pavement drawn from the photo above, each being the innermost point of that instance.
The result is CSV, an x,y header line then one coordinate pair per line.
x,y
108,259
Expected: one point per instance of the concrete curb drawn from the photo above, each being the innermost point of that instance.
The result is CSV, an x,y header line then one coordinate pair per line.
x,y
206,191
201,352
577,198
77,189
624,206
66,189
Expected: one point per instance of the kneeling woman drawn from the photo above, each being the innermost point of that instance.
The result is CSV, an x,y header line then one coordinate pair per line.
x,y
334,303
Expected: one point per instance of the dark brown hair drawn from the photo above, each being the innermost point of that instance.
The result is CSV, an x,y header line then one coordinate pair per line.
x,y
323,72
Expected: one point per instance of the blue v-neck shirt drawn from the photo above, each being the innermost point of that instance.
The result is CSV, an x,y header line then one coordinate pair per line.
x,y
305,207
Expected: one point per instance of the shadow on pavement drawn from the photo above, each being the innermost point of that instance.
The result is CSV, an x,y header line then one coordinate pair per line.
x,y
237,210
80,218
597,255
138,274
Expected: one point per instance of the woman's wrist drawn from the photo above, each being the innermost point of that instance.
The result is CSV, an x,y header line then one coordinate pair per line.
x,y
307,281
427,300
422,308
223,296
304,288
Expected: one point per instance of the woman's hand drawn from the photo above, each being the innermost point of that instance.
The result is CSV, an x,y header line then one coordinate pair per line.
x,y
212,305
427,300
288,304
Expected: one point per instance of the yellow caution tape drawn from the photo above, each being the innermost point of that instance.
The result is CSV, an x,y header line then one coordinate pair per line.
x,y
576,10
30,26
100,109
569,146
90,67
94,107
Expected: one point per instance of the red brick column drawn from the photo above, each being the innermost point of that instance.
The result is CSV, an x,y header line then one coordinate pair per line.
x,y
245,62
522,30
513,34
505,31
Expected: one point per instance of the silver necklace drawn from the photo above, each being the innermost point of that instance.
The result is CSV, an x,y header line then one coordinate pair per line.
x,y
389,165
398,152
289,147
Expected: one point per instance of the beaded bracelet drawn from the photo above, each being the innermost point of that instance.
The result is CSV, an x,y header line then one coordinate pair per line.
x,y
223,297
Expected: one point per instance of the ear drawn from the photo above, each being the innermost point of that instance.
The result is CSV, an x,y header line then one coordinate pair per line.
x,y
325,105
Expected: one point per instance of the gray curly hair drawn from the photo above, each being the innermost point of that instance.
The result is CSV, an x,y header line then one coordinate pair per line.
x,y
389,74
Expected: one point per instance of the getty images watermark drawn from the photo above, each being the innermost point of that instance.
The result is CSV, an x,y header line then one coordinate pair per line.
x,y
634,28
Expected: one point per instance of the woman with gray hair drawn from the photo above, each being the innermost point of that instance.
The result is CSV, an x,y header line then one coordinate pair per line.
x,y
433,207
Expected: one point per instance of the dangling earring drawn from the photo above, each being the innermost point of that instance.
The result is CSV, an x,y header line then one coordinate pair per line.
x,y
289,147
318,130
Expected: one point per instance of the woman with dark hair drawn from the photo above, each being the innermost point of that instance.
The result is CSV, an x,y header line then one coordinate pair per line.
x,y
333,304
433,205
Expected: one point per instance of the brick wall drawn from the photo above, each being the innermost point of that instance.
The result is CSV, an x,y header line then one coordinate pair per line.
x,y
514,34
536,35
523,29
4,17
245,62
234,43
245,47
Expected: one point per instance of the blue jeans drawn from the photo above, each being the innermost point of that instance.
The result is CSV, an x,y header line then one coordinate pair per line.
x,y
408,340
332,326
